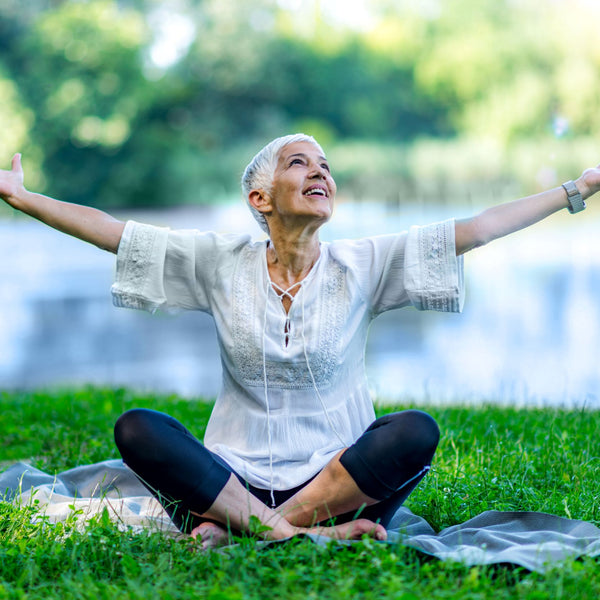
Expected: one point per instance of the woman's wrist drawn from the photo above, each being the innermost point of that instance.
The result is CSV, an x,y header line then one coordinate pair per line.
x,y
583,187
589,182
24,201
16,199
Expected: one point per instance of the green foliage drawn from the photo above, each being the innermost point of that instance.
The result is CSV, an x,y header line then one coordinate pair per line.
x,y
15,120
512,459
67,428
101,122
79,69
489,458
509,70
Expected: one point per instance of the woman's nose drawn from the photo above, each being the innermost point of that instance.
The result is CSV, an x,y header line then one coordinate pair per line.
x,y
318,171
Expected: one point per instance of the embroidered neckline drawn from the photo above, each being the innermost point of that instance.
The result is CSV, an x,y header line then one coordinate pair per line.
x,y
324,328
285,293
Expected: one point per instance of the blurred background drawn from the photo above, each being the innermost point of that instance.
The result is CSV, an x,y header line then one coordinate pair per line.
x,y
427,109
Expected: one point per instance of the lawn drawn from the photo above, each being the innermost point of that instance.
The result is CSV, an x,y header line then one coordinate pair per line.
x,y
489,458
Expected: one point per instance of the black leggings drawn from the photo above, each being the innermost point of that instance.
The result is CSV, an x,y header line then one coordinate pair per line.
x,y
386,462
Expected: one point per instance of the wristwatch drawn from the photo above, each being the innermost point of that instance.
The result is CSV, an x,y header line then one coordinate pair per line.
x,y
576,202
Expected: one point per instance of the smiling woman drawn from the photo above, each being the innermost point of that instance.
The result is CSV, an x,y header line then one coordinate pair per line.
x,y
260,172
292,439
301,194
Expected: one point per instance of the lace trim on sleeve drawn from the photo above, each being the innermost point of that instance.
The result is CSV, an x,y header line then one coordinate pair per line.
x,y
434,277
134,259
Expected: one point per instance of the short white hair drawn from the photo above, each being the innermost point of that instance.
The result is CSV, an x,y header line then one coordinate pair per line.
x,y
259,173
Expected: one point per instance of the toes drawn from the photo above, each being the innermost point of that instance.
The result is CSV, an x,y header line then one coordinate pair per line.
x,y
209,535
206,531
365,527
380,533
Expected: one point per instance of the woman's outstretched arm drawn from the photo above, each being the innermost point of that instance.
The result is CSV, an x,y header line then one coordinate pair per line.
x,y
503,219
83,222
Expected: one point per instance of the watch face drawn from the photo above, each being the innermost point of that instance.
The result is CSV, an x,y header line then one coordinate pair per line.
x,y
570,188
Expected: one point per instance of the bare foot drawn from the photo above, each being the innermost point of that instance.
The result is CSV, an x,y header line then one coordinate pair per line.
x,y
353,530
211,535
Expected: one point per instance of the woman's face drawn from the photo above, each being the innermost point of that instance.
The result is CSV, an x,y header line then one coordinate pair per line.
x,y
303,188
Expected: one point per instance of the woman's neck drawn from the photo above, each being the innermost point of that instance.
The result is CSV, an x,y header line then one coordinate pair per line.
x,y
290,258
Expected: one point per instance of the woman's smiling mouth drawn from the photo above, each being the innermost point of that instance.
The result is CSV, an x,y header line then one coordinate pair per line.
x,y
316,190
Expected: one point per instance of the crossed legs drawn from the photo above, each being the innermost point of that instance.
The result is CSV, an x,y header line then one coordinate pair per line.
x,y
199,490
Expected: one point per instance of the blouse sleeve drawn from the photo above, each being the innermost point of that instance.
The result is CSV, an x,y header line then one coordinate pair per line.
x,y
418,268
160,268
433,274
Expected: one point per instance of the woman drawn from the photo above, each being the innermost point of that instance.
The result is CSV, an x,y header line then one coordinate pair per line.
x,y
292,440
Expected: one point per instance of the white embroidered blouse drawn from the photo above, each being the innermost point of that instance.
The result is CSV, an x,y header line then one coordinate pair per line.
x,y
294,389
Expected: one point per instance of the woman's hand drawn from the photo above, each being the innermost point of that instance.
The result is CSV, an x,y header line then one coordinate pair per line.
x,y
11,182
589,182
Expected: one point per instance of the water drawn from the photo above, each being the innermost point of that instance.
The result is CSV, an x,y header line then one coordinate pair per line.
x,y
529,334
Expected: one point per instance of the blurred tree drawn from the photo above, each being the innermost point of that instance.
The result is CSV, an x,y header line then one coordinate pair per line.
x,y
78,67
15,121
511,69
153,102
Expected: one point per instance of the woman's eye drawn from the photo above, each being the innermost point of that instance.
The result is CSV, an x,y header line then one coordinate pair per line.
x,y
325,166
295,161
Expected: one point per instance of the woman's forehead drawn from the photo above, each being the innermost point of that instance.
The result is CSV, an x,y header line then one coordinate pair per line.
x,y
301,149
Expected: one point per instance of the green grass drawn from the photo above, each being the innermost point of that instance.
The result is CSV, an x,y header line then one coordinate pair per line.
x,y
489,458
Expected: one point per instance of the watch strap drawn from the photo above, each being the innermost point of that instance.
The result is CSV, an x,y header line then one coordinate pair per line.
x,y
576,201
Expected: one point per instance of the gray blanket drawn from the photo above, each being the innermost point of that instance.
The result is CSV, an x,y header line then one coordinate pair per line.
x,y
536,541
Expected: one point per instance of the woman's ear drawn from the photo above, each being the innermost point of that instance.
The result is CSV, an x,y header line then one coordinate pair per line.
x,y
260,200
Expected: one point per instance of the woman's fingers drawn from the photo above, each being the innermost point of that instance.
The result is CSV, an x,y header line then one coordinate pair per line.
x,y
16,163
210,535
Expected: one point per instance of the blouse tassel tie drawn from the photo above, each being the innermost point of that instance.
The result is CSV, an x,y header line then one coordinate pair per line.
x,y
281,293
